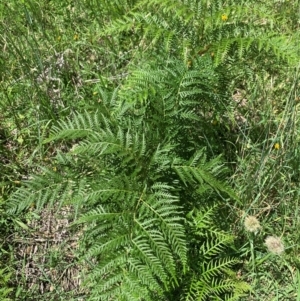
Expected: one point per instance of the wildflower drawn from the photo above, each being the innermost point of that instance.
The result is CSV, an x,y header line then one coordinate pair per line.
x,y
75,38
252,224
277,146
224,17
274,245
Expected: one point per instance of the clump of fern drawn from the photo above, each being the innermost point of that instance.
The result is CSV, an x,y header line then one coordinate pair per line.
x,y
142,163
132,170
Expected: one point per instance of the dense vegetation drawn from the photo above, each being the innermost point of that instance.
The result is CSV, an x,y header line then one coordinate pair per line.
x,y
150,150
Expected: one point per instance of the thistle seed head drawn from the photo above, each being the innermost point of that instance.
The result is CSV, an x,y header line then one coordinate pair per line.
x,y
252,224
274,245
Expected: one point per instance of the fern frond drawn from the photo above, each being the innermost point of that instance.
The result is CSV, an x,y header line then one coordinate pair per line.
x,y
148,233
212,277
199,171
49,188
196,27
216,267
80,125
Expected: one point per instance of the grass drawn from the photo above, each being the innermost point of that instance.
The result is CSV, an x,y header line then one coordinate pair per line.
x,y
53,61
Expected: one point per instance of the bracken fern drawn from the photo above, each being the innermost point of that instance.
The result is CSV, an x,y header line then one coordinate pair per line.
x,y
129,169
220,28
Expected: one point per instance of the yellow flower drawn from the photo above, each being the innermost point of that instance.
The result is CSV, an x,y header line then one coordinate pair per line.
x,y
75,38
277,146
224,17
